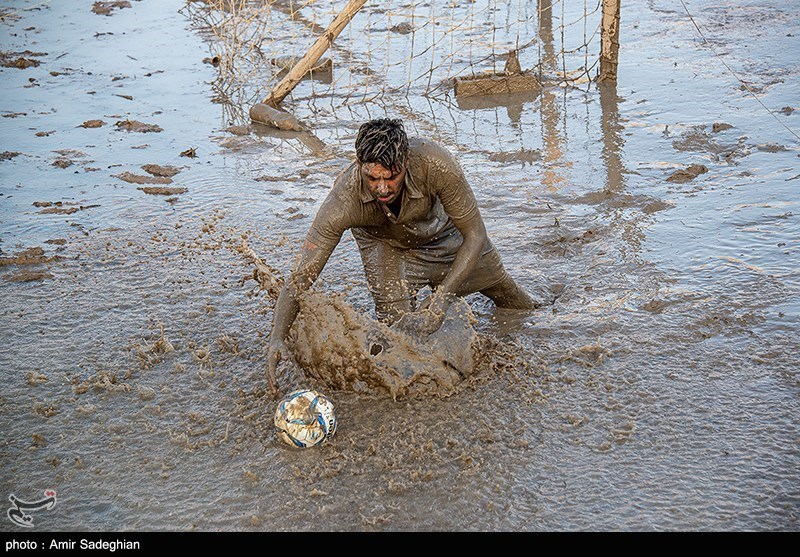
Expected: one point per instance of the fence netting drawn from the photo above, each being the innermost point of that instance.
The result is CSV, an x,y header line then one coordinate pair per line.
x,y
393,47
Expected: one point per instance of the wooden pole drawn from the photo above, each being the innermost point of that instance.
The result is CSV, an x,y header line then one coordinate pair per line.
x,y
314,54
609,41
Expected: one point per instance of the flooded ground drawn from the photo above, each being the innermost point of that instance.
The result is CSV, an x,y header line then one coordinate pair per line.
x,y
659,392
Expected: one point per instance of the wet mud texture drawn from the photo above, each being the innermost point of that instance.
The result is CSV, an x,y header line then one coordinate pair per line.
x,y
660,391
346,350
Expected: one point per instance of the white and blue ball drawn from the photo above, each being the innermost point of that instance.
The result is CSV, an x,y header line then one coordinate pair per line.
x,y
305,418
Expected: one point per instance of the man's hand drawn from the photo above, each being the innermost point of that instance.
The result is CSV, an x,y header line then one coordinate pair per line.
x,y
277,351
422,322
428,318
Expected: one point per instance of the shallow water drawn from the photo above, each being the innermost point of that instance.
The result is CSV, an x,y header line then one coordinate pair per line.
x,y
659,392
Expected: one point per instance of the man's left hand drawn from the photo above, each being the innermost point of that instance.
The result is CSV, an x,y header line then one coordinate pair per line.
x,y
423,322
428,318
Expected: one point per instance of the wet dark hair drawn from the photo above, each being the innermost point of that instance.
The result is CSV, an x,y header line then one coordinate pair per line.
x,y
383,141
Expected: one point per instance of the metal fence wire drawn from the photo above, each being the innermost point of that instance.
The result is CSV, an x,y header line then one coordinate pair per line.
x,y
394,47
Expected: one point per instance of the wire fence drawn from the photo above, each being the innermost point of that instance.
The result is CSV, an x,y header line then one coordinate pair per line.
x,y
394,47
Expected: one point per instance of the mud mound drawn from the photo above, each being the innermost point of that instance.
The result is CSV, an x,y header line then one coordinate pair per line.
x,y
343,349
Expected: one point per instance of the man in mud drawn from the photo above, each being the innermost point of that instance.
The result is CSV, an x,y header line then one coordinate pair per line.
x,y
416,223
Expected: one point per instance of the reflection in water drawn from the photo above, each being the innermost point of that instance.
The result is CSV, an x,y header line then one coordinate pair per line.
x,y
612,138
549,112
314,144
513,102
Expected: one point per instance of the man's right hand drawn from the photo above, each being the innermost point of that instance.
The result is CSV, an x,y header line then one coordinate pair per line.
x,y
277,351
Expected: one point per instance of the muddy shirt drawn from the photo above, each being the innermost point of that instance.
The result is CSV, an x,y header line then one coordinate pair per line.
x,y
435,194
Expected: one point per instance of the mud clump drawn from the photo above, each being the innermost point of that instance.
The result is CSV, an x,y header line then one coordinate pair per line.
x,y
68,157
34,378
771,147
30,256
28,276
687,174
238,130
523,155
156,190
44,410
344,349
149,354
228,344
403,28
132,178
19,60
165,171
107,8
101,381
60,208
136,126
697,140
59,211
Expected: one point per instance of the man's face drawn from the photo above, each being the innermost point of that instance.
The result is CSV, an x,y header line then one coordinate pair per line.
x,y
384,184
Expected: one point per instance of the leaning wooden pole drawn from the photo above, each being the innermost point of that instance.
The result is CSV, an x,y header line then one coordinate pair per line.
x,y
314,54
609,41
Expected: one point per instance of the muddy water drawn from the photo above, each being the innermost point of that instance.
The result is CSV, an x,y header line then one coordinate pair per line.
x,y
659,392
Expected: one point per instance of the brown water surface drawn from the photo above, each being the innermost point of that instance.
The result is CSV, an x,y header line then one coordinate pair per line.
x,y
659,391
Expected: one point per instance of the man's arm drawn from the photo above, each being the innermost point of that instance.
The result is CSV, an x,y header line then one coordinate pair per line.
x,y
309,266
460,204
468,255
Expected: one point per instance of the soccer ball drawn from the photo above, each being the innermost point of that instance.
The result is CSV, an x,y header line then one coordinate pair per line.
x,y
305,418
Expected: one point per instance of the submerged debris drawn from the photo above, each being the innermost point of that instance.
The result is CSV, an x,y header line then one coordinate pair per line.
x,y
165,171
136,126
686,174
60,208
522,155
238,130
105,8
150,354
160,190
30,256
228,344
132,178
103,381
28,276
19,59
36,378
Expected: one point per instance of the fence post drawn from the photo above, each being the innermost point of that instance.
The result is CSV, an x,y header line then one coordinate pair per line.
x,y
609,41
314,54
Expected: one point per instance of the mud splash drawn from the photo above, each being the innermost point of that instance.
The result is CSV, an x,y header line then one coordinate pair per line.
x,y
344,349
347,350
